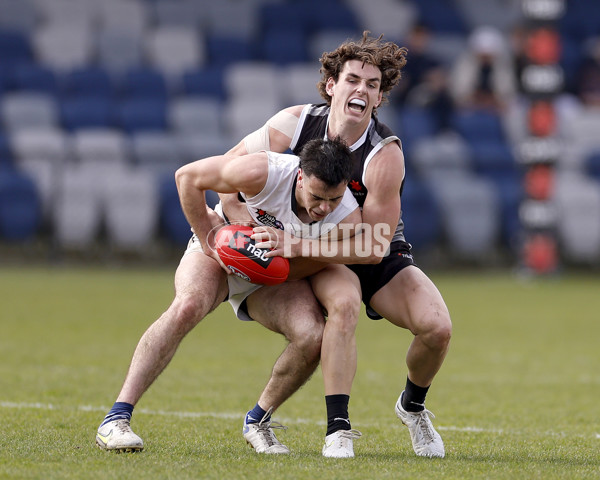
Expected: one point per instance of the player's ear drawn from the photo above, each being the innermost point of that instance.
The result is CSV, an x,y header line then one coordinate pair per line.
x,y
299,182
329,86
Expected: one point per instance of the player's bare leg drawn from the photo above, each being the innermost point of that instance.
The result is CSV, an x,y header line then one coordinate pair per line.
x,y
200,286
338,289
412,301
291,310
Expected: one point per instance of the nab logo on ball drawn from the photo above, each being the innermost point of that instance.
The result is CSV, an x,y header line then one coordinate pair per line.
x,y
240,254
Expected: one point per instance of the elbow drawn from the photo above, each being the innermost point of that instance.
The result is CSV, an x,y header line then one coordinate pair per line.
x,y
180,176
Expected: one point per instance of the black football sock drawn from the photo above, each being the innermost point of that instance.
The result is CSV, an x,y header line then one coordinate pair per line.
x,y
413,399
337,413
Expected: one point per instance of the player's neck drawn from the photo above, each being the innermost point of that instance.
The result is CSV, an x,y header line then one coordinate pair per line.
x,y
348,131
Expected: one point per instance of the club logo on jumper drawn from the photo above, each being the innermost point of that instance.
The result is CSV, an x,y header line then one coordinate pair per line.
x,y
245,245
354,185
268,219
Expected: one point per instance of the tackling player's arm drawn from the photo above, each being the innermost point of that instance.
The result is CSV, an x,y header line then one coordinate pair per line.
x,y
275,135
223,174
380,215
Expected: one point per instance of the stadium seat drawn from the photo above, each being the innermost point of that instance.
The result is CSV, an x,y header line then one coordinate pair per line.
x,y
33,77
415,123
326,41
421,215
391,18
173,223
223,50
441,16
243,116
143,82
230,18
119,50
15,48
285,15
20,211
133,16
48,144
21,15
156,152
101,146
174,49
333,15
577,199
63,47
301,80
29,110
470,212
83,111
193,146
284,46
205,81
178,13
77,211
253,81
6,154
88,81
478,125
138,114
195,114
131,209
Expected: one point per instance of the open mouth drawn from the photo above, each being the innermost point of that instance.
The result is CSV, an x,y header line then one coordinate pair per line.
x,y
357,105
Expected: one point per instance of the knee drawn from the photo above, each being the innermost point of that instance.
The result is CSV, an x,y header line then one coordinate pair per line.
x,y
187,312
308,340
440,331
343,312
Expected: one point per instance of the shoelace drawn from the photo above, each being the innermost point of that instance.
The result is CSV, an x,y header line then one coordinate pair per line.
x,y
265,428
350,434
424,424
123,425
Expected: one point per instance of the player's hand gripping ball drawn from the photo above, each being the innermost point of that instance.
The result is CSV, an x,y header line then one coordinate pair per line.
x,y
238,252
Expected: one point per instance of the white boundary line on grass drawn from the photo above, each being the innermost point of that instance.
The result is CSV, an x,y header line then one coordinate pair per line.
x,y
240,416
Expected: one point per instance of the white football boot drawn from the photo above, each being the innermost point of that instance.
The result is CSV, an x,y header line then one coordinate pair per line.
x,y
340,444
118,436
426,441
260,436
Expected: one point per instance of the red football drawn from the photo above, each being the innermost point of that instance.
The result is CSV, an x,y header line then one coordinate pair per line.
x,y
237,251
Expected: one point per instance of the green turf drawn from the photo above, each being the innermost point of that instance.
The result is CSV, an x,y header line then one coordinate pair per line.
x,y
516,398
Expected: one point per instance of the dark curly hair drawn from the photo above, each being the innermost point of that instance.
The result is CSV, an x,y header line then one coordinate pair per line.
x,y
387,56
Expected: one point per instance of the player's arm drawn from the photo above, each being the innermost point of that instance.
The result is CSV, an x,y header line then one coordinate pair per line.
x,y
223,174
380,215
275,135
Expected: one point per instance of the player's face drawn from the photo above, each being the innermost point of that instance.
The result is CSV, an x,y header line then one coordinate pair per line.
x,y
317,198
357,91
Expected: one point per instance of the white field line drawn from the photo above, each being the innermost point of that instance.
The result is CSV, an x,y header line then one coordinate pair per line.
x,y
240,416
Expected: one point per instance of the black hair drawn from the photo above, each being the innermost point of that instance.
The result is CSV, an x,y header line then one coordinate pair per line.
x,y
328,160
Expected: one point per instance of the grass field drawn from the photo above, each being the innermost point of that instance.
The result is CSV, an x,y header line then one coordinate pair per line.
x,y
517,398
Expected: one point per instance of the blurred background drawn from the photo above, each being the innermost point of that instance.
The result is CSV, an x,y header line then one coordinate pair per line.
x,y
498,111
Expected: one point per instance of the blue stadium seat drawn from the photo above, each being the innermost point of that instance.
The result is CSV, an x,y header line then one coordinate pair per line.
x,y
284,15
35,77
143,82
284,46
592,164
478,125
15,48
415,123
86,111
139,114
20,210
173,223
205,81
441,16
328,15
88,81
492,158
6,155
421,214
225,50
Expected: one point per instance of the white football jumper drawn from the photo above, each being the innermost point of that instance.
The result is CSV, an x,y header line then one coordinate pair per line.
x,y
275,206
